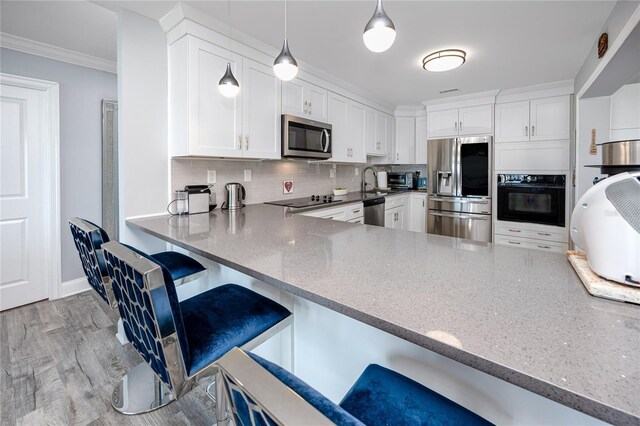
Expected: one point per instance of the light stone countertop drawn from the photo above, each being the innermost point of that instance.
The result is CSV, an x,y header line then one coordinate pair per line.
x,y
520,315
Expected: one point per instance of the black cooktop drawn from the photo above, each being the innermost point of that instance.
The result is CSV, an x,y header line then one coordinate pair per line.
x,y
311,201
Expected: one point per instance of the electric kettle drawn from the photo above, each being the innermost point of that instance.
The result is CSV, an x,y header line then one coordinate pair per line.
x,y
234,195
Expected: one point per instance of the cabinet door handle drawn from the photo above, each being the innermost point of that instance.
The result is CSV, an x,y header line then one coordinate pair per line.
x,y
460,126
514,230
422,203
533,130
305,107
239,142
544,234
246,143
397,156
455,126
544,247
310,108
526,130
514,242
356,211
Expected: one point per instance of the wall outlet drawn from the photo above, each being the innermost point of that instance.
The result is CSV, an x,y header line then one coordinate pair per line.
x,y
332,173
247,175
211,177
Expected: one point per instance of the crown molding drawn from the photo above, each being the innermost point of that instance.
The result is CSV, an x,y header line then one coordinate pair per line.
x,y
472,99
21,44
545,90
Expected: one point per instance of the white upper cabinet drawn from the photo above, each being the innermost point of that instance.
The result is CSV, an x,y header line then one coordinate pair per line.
x,y
442,123
405,144
549,119
512,122
206,124
421,140
541,119
338,110
304,99
475,120
371,142
348,129
357,132
260,114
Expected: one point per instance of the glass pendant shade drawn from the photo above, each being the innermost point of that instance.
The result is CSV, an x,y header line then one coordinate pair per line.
x,y
379,33
444,60
285,65
228,85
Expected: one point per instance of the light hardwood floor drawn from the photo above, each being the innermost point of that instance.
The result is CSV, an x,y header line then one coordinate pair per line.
x,y
60,361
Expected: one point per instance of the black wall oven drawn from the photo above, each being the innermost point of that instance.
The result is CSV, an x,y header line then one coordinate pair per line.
x,y
532,198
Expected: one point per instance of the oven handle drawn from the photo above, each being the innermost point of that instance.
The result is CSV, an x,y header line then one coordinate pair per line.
x,y
463,201
460,216
325,136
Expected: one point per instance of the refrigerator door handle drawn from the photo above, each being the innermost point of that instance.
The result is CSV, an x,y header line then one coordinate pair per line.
x,y
458,167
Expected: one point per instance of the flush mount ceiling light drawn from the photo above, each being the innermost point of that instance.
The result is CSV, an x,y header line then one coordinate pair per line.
x,y
228,85
285,65
379,33
444,60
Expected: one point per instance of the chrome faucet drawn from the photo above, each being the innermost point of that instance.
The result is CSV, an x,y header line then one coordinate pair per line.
x,y
364,177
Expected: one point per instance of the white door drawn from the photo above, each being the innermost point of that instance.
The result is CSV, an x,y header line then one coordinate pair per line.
x,y
512,122
390,218
550,118
357,125
405,140
475,120
317,98
214,120
260,111
417,212
339,119
24,188
293,101
401,212
442,123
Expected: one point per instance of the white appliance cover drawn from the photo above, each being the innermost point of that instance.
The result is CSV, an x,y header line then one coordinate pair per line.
x,y
606,224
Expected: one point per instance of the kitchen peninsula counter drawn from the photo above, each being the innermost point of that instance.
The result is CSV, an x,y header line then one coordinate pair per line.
x,y
520,315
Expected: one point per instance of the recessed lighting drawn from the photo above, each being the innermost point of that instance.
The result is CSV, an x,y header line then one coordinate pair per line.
x,y
444,60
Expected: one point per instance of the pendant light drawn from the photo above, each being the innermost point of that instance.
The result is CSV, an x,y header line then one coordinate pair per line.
x,y
285,66
228,85
379,34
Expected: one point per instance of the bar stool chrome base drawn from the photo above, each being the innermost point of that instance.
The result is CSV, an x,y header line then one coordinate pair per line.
x,y
140,391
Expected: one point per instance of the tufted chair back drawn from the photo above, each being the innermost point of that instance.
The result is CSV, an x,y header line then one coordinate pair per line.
x,y
150,311
88,239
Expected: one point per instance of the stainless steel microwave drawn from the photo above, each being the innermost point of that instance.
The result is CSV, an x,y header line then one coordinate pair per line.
x,y
304,138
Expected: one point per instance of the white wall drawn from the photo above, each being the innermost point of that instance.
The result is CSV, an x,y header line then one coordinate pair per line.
x,y
142,118
625,113
81,93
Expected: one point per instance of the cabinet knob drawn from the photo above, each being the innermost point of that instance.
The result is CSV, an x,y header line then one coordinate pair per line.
x,y
455,126
526,130
460,125
533,130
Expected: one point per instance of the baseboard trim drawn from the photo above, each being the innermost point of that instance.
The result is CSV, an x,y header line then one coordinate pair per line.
x,y
71,287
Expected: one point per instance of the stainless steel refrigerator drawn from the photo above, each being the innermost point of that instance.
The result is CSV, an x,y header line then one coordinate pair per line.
x,y
459,171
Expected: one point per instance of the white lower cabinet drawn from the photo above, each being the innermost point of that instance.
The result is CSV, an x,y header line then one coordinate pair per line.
x,y
396,212
418,212
532,236
353,213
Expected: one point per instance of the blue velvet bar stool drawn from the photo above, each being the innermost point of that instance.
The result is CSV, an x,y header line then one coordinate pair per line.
x,y
259,392
89,237
181,340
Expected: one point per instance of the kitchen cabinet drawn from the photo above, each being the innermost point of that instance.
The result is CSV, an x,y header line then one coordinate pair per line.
x,y
531,244
532,235
542,119
405,141
206,124
474,120
421,140
348,122
379,133
396,212
353,213
417,212
304,99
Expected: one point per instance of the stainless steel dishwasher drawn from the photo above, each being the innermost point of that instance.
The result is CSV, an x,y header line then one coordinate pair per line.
x,y
374,211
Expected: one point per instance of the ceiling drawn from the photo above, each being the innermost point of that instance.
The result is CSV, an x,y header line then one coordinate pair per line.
x,y
509,44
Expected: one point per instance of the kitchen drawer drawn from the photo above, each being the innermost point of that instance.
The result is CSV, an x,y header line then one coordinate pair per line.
x,y
354,211
339,213
359,220
552,235
393,202
531,244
